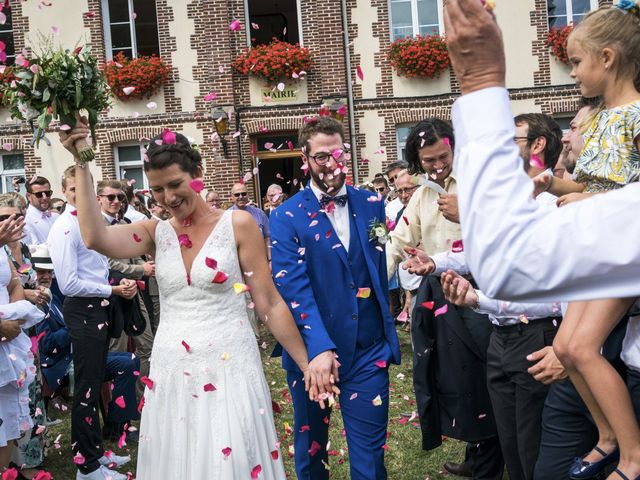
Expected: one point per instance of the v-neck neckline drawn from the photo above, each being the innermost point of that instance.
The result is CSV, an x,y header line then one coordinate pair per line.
x,y
184,266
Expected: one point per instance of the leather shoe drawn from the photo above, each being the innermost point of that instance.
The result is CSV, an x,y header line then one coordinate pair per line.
x,y
582,469
459,469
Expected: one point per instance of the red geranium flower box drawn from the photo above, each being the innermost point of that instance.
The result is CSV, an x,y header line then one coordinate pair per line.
x,y
135,78
557,42
275,61
422,56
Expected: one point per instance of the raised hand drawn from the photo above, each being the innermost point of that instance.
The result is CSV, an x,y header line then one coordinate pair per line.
x,y
79,132
475,45
11,229
458,290
418,262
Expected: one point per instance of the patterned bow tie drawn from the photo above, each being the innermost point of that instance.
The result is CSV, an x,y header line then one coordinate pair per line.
x,y
46,214
338,200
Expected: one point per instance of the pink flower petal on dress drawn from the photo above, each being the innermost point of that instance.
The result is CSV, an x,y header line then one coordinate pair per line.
x,y
256,471
457,246
184,240
226,452
209,387
197,185
442,310
220,277
186,346
148,382
275,454
211,263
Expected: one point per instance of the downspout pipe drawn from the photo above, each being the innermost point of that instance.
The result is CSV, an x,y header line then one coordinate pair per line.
x,y
350,106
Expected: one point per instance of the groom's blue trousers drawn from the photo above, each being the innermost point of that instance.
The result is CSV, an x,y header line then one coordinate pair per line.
x,y
365,422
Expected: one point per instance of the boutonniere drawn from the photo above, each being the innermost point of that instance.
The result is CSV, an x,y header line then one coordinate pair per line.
x,y
378,232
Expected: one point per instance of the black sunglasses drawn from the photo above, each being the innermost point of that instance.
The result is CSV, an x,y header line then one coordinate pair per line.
x,y
17,216
44,194
240,194
112,197
59,208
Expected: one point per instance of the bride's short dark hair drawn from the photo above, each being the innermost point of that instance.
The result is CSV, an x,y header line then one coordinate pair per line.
x,y
161,155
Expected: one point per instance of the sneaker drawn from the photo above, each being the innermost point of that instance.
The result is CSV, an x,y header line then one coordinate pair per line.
x,y
111,460
103,473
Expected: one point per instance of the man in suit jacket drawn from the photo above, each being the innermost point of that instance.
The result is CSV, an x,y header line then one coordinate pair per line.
x,y
334,278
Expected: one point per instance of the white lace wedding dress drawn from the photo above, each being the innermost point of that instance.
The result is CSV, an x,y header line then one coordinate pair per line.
x,y
208,415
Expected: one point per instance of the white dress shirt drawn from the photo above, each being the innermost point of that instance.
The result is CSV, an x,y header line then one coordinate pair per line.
x,y
80,272
134,215
339,218
516,250
37,225
392,208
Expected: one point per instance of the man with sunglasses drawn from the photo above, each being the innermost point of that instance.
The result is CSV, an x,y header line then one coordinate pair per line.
x,y
39,219
329,266
240,200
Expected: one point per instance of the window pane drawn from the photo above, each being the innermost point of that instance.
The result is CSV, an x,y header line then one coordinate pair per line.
x,y
428,17
558,22
121,36
578,18
127,52
275,19
129,154
13,162
401,22
146,27
557,7
580,7
133,173
118,11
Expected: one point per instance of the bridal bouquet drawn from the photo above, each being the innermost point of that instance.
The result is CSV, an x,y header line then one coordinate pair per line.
x,y
57,84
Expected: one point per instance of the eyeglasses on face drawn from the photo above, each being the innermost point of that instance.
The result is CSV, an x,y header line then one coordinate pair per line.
x,y
322,158
515,139
240,194
17,216
112,197
393,179
402,191
44,194
59,208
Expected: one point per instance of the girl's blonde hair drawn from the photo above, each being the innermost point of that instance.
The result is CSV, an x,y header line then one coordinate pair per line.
x,y
612,27
13,200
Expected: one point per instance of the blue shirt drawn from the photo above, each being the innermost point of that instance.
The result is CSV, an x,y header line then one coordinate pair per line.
x,y
259,216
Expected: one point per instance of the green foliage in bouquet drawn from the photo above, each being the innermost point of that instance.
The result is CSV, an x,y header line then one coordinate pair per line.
x,y
57,84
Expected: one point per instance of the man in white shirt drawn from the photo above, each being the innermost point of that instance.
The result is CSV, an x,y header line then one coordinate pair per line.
x,y
392,171
38,220
131,214
594,243
83,278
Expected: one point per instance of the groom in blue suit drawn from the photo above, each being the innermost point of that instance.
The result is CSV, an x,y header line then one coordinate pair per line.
x,y
334,279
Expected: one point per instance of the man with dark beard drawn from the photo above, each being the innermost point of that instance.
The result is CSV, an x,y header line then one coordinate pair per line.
x,y
329,265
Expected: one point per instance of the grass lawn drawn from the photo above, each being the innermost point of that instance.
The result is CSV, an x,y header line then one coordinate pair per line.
x,y
405,459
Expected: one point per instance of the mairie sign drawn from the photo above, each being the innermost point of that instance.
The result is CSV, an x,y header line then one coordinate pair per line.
x,y
274,95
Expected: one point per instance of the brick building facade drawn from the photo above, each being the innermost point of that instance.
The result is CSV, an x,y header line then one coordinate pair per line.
x,y
194,39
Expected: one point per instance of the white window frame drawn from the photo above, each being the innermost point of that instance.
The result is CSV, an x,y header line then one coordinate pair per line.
x,y
247,23
11,172
593,5
123,165
400,145
106,23
414,18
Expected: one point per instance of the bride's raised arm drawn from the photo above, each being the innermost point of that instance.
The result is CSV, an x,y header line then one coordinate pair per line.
x,y
117,241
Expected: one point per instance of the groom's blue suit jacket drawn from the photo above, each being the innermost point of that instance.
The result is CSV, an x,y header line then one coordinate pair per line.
x,y
311,271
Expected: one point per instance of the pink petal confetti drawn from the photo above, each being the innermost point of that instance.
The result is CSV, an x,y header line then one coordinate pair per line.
x,y
7,146
353,396
55,29
152,105
363,293
403,317
281,86
315,448
120,402
359,72
377,401
78,459
457,246
210,96
128,90
186,346
428,305
256,471
209,387
197,185
255,26
188,279
220,277
168,137
446,141
104,303
42,475
226,452
235,26
442,310
122,441
148,382
184,240
381,364
275,454
535,162
211,263
137,238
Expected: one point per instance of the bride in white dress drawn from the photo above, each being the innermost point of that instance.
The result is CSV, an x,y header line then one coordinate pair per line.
x,y
207,411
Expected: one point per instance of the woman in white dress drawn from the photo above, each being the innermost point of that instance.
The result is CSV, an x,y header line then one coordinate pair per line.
x,y
207,411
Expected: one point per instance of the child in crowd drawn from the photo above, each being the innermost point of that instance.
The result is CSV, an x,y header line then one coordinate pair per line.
x,y
604,51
